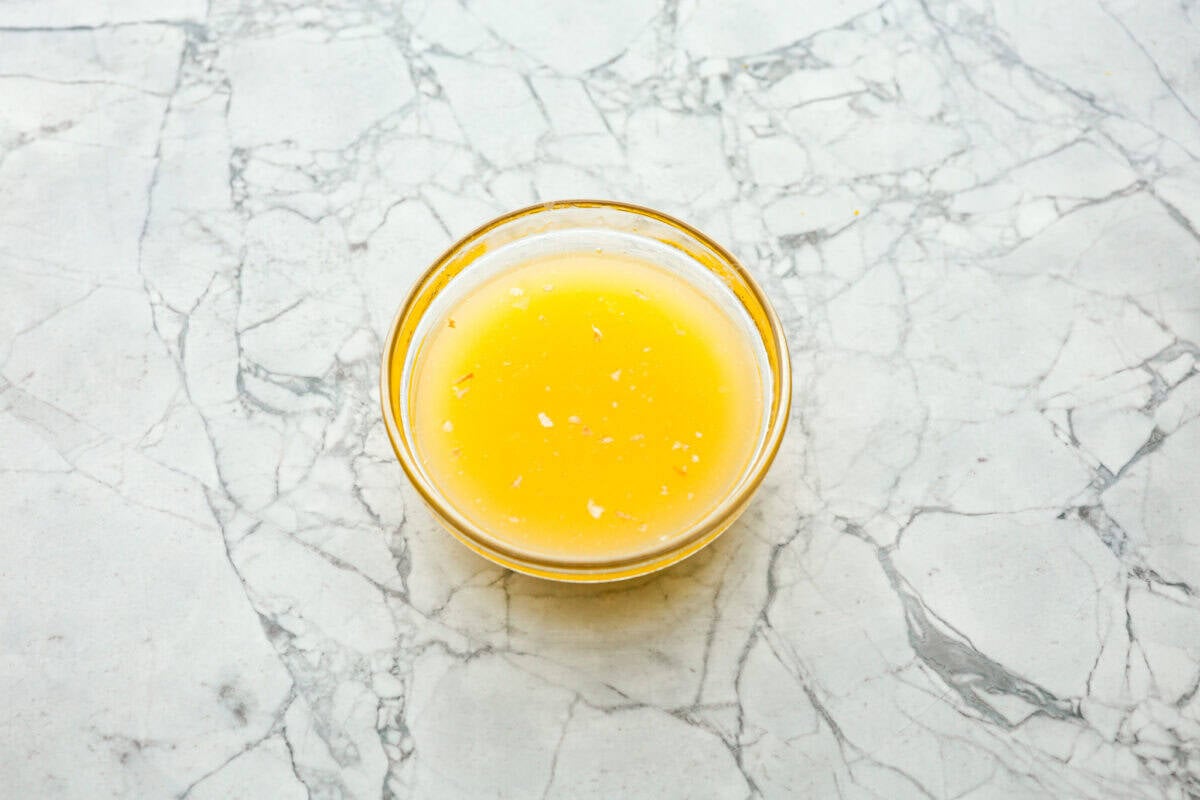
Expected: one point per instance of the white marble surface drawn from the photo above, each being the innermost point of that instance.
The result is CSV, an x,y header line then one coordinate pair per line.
x,y
974,571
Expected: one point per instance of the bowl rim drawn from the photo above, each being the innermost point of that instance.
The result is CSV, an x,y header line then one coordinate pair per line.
x,y
779,406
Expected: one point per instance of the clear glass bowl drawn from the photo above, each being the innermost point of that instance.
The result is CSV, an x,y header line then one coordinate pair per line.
x,y
572,226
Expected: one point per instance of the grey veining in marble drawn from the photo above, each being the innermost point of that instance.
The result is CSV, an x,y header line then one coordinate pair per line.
x,y
974,571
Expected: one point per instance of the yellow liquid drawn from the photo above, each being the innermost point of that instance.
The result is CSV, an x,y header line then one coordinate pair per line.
x,y
586,406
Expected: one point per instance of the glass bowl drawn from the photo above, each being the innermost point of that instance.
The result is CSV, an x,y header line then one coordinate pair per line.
x,y
573,226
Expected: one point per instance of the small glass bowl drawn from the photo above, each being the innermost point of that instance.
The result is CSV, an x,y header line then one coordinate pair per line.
x,y
571,226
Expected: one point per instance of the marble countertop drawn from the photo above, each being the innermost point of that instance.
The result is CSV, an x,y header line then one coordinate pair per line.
x,y
974,571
